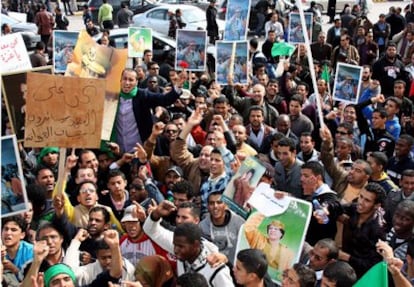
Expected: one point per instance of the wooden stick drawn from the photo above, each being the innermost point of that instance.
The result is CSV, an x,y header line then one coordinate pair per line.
x,y
61,171
233,55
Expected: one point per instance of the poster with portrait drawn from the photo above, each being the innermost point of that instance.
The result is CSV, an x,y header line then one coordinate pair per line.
x,y
13,191
237,20
13,54
14,88
191,50
139,40
64,43
277,227
242,185
295,30
91,60
347,83
224,51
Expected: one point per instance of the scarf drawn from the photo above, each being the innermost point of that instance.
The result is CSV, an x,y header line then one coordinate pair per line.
x,y
130,95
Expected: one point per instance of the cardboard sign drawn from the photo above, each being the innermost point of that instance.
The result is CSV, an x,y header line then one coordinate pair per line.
x,y
13,54
91,60
64,111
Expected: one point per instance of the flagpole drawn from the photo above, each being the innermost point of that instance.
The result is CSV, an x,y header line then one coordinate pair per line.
x,y
310,61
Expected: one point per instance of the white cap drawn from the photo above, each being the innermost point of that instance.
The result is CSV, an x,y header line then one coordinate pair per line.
x,y
128,214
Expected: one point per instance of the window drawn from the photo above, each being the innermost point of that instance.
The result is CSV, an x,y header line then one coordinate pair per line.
x,y
159,14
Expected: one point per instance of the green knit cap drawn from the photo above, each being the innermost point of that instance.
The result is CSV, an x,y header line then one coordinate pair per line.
x,y
58,269
45,151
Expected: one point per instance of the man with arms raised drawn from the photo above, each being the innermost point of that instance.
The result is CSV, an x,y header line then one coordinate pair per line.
x,y
134,110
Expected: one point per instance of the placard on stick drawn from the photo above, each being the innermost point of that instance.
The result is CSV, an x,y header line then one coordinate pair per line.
x,y
64,111
13,192
347,83
13,54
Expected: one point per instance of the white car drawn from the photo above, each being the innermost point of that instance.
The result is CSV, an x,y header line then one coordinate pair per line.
x,y
157,18
323,5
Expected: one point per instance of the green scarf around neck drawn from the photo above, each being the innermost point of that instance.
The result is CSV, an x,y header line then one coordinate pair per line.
x,y
129,95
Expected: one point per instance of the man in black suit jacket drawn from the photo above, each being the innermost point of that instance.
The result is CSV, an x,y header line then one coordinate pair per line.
x,y
134,127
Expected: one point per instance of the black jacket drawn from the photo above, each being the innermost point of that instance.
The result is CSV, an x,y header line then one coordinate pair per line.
x,y
359,241
212,26
318,231
142,104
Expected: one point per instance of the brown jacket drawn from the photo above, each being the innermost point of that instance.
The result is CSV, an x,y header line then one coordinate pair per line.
x,y
159,164
182,157
45,22
338,174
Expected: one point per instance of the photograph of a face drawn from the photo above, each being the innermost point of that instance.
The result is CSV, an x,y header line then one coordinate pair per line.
x,y
64,43
91,60
280,236
237,20
13,192
191,50
295,31
224,58
139,40
347,83
242,185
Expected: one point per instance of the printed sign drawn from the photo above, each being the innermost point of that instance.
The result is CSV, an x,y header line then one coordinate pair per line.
x,y
13,54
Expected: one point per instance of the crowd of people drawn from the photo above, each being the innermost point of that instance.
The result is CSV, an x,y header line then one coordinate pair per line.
x,y
146,208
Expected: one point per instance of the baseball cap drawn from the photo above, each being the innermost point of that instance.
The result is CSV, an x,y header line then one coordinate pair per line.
x,y
177,170
186,94
128,215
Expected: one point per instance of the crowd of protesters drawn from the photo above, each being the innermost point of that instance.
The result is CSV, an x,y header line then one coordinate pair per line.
x,y
146,208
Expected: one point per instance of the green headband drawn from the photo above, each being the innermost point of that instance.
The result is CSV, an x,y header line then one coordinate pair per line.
x,y
58,269
45,151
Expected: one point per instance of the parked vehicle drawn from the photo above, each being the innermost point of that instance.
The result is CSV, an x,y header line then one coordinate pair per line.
x,y
157,18
323,5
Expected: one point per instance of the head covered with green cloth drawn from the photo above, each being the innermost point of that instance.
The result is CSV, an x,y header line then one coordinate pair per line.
x,y
45,151
57,273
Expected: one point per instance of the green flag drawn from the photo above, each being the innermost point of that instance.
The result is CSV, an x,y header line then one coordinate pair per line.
x,y
325,73
282,49
376,276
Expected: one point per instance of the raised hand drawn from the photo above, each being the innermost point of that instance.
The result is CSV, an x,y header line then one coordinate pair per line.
x,y
82,235
325,134
143,173
38,281
59,204
158,128
139,212
195,118
111,238
40,250
114,147
71,161
140,153
127,157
